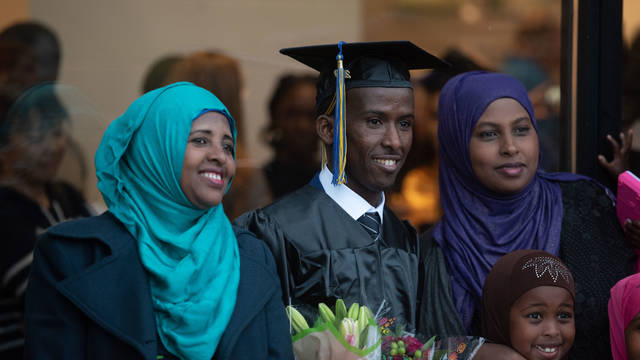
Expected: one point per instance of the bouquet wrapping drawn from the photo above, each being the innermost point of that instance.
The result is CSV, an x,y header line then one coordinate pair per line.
x,y
337,334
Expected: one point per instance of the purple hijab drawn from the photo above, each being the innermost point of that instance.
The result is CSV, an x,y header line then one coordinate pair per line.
x,y
479,226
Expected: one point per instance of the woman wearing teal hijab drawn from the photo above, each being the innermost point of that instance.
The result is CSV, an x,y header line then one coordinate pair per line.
x,y
162,274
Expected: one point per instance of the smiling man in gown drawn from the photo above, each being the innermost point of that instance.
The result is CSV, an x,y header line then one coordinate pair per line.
x,y
335,238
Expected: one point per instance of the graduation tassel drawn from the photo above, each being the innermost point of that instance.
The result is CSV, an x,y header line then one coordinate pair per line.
x,y
339,125
323,154
328,112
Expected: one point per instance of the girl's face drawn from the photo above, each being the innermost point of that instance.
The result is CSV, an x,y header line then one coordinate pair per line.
x,y
541,323
632,338
208,160
504,147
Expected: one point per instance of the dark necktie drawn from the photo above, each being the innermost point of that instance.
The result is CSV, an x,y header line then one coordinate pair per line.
x,y
371,222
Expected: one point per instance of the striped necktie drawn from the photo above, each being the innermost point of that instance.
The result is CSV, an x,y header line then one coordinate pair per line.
x,y
371,223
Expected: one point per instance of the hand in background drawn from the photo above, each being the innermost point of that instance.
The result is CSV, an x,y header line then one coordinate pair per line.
x,y
632,233
620,161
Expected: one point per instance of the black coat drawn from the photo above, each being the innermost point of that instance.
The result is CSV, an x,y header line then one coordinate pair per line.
x,y
323,254
89,298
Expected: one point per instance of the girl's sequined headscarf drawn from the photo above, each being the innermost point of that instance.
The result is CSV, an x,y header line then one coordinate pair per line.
x,y
512,276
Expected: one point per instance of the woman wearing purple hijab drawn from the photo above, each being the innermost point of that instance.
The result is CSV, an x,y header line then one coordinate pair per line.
x,y
496,199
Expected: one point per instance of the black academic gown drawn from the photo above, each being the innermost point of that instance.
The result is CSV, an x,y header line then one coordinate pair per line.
x,y
322,254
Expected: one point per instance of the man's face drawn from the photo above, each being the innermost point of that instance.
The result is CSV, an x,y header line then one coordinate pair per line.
x,y
379,132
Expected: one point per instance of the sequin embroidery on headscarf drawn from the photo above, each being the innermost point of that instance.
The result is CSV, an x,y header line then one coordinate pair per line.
x,y
480,226
513,275
190,254
624,305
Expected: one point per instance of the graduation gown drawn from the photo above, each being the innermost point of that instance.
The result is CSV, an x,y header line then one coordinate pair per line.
x,y
323,254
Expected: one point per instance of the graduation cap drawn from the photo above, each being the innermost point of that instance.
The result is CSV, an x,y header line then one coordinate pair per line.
x,y
368,64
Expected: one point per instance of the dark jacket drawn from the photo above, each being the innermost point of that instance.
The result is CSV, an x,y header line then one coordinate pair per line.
x,y
22,220
89,298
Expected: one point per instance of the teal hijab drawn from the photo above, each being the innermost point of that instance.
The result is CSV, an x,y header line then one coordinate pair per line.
x,y
190,254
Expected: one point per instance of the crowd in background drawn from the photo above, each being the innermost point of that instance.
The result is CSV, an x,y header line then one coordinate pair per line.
x,y
43,171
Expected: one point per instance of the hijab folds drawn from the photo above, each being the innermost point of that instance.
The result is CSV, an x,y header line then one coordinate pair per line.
x,y
624,305
190,254
479,226
512,276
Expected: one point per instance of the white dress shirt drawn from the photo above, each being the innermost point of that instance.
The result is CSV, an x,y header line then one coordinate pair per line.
x,y
347,199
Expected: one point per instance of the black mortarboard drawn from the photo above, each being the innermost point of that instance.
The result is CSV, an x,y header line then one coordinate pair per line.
x,y
345,66
369,64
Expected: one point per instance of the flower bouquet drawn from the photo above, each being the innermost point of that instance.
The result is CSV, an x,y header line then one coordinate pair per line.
x,y
336,334
405,346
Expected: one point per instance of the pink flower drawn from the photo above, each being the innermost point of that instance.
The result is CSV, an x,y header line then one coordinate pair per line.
x,y
351,339
412,344
349,330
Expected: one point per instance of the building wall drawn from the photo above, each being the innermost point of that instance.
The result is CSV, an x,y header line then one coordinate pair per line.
x,y
12,11
108,45
630,19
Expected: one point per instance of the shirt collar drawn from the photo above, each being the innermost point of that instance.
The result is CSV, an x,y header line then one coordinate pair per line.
x,y
354,204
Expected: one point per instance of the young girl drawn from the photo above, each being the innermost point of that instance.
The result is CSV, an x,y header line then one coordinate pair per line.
x,y
527,304
624,318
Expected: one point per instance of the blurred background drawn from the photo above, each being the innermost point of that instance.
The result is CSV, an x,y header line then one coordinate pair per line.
x,y
69,67
108,48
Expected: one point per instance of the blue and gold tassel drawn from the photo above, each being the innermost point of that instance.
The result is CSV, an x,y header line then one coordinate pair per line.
x,y
339,125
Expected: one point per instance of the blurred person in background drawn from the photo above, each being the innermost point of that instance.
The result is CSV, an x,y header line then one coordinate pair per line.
x,y
415,195
30,54
291,133
626,153
157,73
535,61
33,140
630,108
221,75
